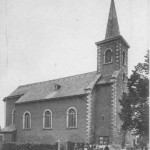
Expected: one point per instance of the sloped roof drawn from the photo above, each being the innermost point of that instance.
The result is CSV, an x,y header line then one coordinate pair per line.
x,y
69,86
10,128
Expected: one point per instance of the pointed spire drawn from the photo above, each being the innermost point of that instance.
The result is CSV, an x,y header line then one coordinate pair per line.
x,y
112,25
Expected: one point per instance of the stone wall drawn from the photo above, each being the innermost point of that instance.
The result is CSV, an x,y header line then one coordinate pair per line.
x,y
10,105
59,129
103,111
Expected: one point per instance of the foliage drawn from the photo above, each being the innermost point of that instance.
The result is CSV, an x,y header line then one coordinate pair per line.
x,y
28,146
135,107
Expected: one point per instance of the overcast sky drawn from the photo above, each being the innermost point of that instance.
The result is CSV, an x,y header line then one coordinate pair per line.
x,y
47,39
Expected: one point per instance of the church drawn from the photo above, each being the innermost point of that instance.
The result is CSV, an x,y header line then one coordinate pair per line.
x,y
81,108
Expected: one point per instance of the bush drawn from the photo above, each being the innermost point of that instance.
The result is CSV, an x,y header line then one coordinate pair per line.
x,y
28,146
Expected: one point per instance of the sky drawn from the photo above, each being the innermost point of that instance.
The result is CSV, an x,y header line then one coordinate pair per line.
x,y
47,39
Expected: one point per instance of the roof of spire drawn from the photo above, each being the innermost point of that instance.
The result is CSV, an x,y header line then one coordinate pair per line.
x,y
112,25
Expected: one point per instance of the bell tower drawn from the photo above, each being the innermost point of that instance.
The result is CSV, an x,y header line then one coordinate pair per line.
x,y
112,52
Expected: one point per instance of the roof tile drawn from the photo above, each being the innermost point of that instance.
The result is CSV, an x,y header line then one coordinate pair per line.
x,y
69,86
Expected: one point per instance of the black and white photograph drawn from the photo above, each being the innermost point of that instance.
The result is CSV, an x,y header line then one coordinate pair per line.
x,y
74,74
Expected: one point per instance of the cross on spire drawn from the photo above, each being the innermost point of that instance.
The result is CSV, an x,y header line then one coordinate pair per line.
x,y
112,25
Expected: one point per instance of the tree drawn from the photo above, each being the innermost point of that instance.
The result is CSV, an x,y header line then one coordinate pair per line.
x,y
135,106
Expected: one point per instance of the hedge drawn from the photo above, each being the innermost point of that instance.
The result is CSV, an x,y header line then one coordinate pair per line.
x,y
28,146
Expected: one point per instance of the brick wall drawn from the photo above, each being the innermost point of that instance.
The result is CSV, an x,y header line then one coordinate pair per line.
x,y
10,105
59,129
103,108
101,66
120,88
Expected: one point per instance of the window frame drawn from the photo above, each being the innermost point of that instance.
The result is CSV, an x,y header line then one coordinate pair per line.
x,y
108,49
25,120
76,120
50,119
104,140
13,116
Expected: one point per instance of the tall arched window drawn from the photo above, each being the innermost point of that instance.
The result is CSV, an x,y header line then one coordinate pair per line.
x,y
123,57
72,118
26,120
13,116
108,56
47,119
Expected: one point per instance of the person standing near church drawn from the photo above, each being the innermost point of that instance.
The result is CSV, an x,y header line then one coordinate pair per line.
x,y
106,147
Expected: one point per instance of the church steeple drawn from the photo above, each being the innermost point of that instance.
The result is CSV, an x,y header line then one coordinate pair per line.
x,y
112,52
112,25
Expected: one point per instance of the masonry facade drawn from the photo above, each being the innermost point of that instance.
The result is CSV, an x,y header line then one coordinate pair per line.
x,y
81,108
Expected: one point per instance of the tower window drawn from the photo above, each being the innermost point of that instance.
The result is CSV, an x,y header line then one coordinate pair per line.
x,y
123,58
108,56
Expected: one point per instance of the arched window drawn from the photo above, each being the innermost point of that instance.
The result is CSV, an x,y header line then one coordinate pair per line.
x,y
123,57
72,118
108,56
13,116
26,120
47,119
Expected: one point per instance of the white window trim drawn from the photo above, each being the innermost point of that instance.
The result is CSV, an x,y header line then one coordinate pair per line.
x,y
24,120
44,119
68,118
12,116
105,55
2,137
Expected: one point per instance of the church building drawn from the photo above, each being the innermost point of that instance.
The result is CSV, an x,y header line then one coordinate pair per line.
x,y
81,108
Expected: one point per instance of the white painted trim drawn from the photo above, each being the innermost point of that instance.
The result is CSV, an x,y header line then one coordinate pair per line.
x,y
105,55
2,137
24,119
89,116
44,119
68,118
114,105
12,116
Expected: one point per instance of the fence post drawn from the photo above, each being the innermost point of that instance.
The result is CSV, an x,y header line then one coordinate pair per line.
x,y
58,144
